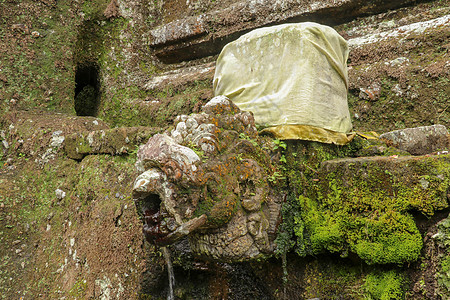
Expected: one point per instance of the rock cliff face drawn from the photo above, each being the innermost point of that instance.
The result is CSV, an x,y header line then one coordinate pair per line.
x,y
83,84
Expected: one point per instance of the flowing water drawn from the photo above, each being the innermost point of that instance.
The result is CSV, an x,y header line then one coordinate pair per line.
x,y
166,254
285,273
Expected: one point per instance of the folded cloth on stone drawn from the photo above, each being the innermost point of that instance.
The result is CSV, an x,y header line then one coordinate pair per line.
x,y
293,77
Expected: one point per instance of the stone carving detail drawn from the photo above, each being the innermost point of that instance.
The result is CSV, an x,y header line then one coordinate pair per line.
x,y
207,179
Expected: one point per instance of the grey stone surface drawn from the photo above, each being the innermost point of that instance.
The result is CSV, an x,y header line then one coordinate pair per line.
x,y
181,76
418,140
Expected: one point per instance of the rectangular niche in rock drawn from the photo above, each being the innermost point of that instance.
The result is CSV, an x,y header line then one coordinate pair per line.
x,y
87,90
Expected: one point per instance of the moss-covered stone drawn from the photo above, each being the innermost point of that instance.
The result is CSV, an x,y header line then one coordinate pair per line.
x,y
363,205
215,191
114,141
89,243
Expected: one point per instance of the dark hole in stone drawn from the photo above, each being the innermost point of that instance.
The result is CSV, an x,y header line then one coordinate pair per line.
x,y
152,203
87,87
152,218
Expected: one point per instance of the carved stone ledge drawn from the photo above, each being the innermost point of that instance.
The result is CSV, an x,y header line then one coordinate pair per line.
x,y
206,34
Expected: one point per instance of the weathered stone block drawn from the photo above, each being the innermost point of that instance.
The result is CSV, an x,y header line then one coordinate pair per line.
x,y
114,141
419,140
363,205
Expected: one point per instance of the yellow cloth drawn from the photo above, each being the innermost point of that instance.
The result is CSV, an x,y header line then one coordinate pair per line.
x,y
309,133
291,74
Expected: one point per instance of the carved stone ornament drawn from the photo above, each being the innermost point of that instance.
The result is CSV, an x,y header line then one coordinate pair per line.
x,y
207,179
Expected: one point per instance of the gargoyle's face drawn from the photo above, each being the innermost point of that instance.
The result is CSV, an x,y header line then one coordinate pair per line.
x,y
207,179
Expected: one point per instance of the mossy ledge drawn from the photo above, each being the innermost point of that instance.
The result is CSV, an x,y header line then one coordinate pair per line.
x,y
363,205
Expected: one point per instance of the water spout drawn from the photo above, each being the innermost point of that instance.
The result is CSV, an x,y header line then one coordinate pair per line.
x,y
166,254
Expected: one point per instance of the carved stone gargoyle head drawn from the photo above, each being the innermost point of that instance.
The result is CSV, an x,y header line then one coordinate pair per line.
x,y
207,179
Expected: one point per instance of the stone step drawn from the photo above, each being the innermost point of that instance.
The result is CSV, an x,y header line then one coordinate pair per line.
x,y
181,76
116,141
420,180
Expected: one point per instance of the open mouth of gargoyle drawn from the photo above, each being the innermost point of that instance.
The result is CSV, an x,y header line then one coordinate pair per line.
x,y
161,229
154,229
154,198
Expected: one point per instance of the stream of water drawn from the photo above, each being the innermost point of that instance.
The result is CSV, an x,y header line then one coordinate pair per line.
x,y
166,254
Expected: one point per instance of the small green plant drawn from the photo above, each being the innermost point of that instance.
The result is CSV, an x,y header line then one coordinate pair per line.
x,y
445,265
79,288
279,144
134,151
22,155
275,177
243,136
443,276
196,149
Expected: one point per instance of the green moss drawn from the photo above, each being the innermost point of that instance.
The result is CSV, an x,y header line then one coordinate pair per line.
x,y
384,285
42,185
387,242
93,9
222,211
78,290
36,215
40,73
181,102
376,227
130,104
323,228
83,145
90,181
442,239
332,278
445,264
292,223
221,203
